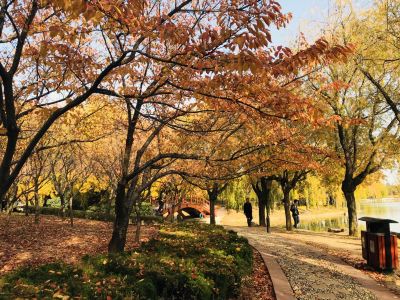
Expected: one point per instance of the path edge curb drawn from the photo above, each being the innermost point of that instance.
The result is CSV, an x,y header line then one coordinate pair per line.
x,y
280,283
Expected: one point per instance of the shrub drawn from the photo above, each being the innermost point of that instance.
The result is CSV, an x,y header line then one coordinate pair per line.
x,y
92,215
185,261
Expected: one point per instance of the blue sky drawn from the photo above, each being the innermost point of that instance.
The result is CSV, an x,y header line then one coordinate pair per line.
x,y
305,13
308,16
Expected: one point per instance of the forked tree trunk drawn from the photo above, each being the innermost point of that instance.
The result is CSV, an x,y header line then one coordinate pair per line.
x,y
286,203
263,190
348,189
260,192
352,211
121,223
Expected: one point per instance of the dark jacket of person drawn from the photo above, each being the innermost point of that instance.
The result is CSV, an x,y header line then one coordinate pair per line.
x,y
294,210
248,211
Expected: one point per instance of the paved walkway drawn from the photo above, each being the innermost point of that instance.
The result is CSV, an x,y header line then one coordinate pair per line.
x,y
312,273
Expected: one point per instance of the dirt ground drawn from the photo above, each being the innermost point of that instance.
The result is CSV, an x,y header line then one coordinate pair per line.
x,y
258,285
22,242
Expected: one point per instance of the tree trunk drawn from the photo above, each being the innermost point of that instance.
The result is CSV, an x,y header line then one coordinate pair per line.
x,y
62,201
348,189
261,211
138,227
268,221
26,206
268,204
71,212
213,199
171,212
286,203
137,203
121,223
352,211
12,136
258,189
37,208
109,204
263,191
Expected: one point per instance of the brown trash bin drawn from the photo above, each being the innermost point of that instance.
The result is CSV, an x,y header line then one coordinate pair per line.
x,y
379,246
376,250
364,244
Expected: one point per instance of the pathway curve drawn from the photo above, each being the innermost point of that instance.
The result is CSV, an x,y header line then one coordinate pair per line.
x,y
312,273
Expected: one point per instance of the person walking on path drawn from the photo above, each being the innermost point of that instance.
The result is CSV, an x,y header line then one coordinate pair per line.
x,y
248,211
295,212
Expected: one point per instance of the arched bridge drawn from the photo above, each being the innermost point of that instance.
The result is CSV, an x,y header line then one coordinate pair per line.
x,y
190,207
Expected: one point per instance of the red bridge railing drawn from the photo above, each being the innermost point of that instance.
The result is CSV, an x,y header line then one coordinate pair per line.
x,y
175,205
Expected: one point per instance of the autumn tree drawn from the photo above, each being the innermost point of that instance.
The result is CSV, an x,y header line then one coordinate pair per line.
x,y
262,186
38,164
365,127
378,51
288,181
175,66
163,60
213,188
59,53
69,172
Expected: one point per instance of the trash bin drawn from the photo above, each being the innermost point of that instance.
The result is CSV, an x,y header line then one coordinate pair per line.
x,y
379,246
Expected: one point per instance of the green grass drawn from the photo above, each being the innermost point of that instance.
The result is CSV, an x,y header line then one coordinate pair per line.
x,y
186,261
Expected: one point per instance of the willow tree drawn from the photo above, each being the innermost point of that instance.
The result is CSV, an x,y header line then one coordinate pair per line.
x,y
365,127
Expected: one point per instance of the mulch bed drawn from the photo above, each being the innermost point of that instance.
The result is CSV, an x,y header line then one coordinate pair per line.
x,y
22,242
258,285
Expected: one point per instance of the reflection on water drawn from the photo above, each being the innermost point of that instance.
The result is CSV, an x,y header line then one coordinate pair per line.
x,y
324,224
387,208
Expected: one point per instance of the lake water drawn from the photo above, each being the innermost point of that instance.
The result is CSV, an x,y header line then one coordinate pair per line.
x,y
387,208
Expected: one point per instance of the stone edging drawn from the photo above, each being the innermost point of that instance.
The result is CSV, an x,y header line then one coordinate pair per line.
x,y
280,284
